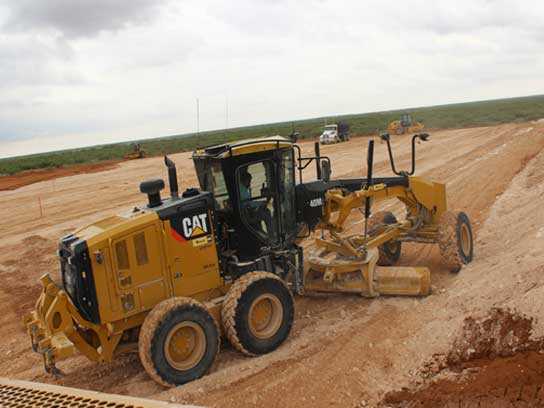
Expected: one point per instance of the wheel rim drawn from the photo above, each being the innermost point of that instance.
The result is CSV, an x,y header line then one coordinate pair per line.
x,y
265,316
465,239
185,345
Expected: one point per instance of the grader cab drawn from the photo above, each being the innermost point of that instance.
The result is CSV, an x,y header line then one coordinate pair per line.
x,y
171,277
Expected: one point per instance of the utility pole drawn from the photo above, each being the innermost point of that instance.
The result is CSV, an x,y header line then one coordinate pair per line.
x,y
226,114
197,116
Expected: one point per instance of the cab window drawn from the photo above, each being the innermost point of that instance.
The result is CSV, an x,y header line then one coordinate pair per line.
x,y
219,187
122,255
255,184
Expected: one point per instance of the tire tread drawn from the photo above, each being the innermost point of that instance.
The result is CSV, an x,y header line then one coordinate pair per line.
x,y
152,321
448,240
230,304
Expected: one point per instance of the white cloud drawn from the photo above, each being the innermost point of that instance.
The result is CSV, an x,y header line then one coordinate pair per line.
x,y
73,72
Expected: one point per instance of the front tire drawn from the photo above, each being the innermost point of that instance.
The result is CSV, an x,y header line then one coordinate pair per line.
x,y
258,313
178,342
455,240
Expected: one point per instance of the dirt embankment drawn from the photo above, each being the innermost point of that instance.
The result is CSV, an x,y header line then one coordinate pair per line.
x,y
494,362
34,176
344,350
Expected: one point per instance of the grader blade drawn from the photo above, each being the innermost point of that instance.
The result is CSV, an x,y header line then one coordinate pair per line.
x,y
332,272
403,280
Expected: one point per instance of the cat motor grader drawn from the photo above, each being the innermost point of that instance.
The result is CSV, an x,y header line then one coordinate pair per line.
x,y
168,278
137,152
405,125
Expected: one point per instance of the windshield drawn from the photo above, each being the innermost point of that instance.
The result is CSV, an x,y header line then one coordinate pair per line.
x,y
210,177
329,128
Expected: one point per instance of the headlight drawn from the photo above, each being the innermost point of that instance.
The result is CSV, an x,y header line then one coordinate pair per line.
x,y
69,279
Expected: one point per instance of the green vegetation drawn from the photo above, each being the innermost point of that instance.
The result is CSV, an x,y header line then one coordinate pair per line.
x,y
444,116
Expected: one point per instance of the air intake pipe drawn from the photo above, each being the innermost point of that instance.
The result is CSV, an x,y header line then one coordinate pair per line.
x,y
172,177
153,190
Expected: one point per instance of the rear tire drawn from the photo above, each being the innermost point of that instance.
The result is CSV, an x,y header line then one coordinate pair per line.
x,y
455,240
179,341
258,313
390,251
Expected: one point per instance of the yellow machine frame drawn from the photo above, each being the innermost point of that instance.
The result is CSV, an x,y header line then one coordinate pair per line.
x,y
425,203
126,295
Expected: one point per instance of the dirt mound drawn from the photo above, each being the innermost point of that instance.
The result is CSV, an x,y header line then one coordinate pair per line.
x,y
33,176
516,381
494,361
500,333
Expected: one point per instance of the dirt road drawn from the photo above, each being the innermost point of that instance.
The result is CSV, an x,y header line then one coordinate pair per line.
x,y
344,350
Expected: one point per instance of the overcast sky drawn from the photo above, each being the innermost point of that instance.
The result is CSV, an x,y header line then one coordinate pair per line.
x,y
83,72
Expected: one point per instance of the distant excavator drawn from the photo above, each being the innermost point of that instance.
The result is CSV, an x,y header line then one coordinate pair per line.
x,y
137,152
405,125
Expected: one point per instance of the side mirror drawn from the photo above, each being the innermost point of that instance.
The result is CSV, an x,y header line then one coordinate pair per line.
x,y
423,136
326,170
294,136
384,136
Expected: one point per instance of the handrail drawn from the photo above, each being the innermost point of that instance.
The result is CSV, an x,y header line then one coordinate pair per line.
x,y
308,160
385,137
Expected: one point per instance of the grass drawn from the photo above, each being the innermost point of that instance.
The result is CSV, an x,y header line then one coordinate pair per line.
x,y
443,117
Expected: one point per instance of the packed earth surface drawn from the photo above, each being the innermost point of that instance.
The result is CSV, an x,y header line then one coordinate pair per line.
x,y
477,340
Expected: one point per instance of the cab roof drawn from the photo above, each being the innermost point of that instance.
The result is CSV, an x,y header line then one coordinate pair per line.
x,y
246,146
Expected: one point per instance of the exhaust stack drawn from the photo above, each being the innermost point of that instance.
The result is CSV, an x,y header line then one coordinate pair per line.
x,y
172,177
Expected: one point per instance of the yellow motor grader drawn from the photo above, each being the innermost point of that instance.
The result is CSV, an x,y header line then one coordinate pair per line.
x,y
137,152
170,277
405,125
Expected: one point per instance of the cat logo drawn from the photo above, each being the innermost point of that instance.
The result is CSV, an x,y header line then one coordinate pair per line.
x,y
195,226
190,226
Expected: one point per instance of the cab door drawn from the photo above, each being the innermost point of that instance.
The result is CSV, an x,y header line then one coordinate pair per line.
x,y
266,197
258,199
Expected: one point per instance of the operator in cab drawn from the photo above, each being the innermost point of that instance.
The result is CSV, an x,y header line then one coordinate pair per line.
x,y
256,209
